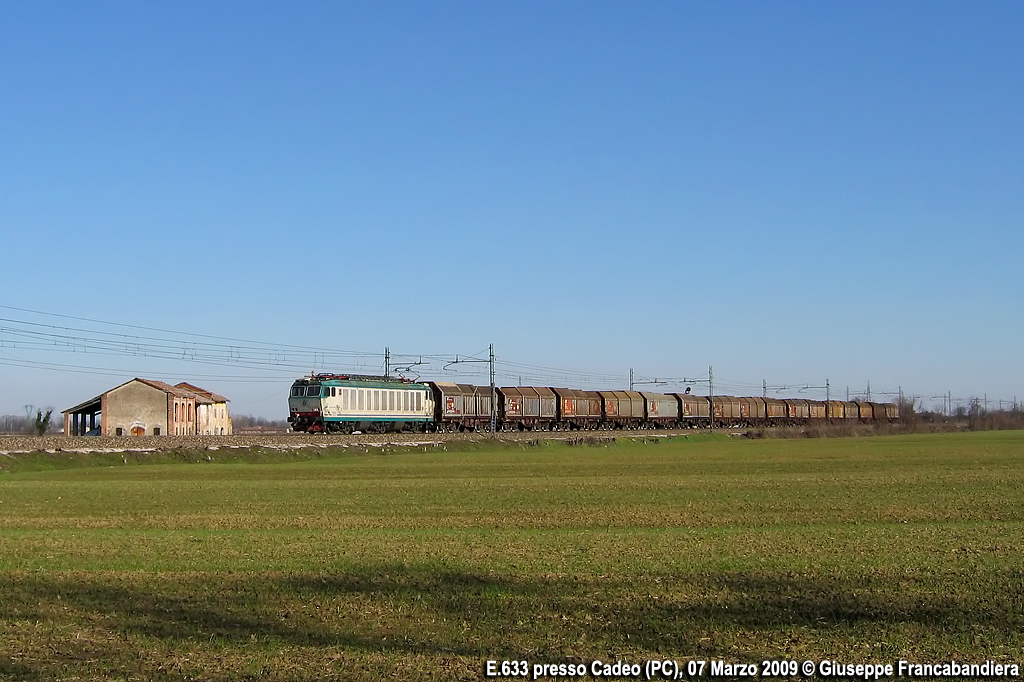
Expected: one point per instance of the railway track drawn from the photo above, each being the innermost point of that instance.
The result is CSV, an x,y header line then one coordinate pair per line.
x,y
10,445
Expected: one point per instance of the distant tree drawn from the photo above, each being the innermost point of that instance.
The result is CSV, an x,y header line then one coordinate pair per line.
x,y
975,414
244,421
908,406
36,421
12,423
42,424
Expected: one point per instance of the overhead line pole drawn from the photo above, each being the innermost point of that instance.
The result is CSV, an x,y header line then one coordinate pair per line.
x,y
711,396
494,414
490,362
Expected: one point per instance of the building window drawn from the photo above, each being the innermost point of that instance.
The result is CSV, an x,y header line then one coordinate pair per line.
x,y
156,430
119,431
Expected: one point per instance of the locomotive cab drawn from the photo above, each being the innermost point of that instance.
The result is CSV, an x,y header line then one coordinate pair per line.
x,y
304,406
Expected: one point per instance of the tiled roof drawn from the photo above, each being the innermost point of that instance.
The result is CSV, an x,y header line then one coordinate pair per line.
x,y
182,390
202,391
166,388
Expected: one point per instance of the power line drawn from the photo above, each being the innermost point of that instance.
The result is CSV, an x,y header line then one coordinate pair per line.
x,y
156,329
255,361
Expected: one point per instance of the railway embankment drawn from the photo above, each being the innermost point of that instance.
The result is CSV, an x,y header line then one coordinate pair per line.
x,y
24,444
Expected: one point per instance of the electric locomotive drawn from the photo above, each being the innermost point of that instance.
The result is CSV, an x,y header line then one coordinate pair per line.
x,y
343,403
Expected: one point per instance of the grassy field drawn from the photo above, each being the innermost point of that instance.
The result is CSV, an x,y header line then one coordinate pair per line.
x,y
422,563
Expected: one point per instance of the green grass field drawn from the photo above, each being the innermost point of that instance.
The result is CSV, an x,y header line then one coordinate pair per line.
x,y
422,563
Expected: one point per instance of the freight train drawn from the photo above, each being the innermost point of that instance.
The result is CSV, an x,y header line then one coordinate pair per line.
x,y
343,403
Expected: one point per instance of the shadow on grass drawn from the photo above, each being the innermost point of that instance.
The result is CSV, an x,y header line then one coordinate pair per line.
x,y
433,612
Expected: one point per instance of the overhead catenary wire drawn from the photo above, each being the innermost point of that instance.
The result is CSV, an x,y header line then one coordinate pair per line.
x,y
150,349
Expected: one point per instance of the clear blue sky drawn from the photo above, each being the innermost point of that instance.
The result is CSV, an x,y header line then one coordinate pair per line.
x,y
788,191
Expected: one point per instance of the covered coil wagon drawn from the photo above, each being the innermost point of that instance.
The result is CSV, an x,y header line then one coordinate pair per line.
x,y
725,409
797,410
527,407
660,410
577,409
775,411
622,409
752,412
866,410
694,410
816,409
460,407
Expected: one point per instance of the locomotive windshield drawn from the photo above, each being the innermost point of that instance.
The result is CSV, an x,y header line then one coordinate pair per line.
x,y
312,391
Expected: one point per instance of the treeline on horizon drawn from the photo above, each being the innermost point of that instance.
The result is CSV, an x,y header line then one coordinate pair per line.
x,y
973,417
36,420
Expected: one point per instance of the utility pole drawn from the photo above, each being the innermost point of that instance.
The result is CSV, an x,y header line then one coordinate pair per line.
x,y
490,362
711,396
869,392
631,378
387,361
764,388
828,399
494,414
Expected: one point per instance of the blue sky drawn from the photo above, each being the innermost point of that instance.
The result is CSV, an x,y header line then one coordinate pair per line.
x,y
788,191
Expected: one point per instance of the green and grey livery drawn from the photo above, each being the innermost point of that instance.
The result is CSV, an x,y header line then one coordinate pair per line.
x,y
343,403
